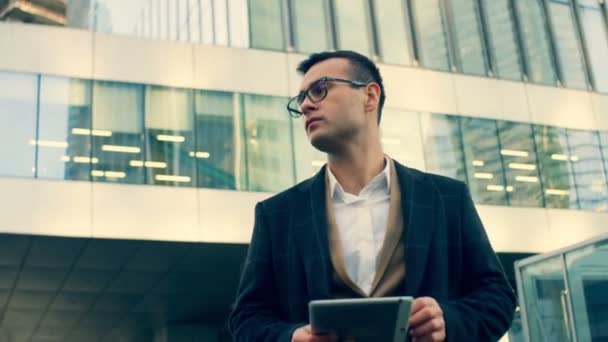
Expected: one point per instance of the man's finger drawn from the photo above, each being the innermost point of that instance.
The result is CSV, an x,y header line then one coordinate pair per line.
x,y
424,315
428,328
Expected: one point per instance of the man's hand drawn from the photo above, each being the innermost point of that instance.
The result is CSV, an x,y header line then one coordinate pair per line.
x,y
426,322
305,334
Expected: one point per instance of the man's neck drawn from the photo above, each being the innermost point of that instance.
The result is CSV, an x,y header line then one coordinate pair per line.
x,y
356,167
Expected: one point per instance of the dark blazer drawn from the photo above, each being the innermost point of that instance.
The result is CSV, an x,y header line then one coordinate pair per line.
x,y
447,255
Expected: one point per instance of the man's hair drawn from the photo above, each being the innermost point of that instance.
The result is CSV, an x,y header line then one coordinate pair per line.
x,y
362,69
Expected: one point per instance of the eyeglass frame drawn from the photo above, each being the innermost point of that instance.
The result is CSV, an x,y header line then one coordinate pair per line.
x,y
294,113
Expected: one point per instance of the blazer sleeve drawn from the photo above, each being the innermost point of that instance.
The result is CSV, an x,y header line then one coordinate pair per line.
x,y
486,310
255,314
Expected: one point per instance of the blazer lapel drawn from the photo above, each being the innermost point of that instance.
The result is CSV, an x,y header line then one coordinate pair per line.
x,y
309,227
417,200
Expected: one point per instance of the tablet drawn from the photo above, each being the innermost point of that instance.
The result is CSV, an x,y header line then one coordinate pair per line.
x,y
363,319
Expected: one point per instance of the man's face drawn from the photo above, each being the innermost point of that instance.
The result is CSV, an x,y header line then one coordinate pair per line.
x,y
340,115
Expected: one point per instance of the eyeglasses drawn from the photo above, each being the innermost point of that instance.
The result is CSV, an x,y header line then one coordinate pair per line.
x,y
316,92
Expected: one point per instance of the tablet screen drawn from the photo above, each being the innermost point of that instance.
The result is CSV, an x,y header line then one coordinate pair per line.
x,y
364,319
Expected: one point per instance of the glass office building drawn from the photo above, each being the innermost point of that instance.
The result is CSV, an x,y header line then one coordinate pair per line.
x,y
152,127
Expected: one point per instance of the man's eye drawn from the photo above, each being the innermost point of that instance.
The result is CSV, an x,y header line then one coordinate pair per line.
x,y
317,89
301,97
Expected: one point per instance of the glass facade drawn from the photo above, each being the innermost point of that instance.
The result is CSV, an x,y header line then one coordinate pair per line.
x,y
550,42
485,173
18,107
535,37
431,34
310,25
561,293
594,27
64,118
106,131
392,24
503,40
352,24
468,36
568,49
266,24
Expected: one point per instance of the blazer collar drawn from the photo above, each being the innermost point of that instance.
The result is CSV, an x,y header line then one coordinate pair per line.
x,y
309,224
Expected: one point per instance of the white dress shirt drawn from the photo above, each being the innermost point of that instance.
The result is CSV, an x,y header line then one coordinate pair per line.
x,y
361,221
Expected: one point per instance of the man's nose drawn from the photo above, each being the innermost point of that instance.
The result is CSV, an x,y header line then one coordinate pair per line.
x,y
307,105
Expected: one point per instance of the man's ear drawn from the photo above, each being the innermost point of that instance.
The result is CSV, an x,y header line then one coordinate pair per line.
x,y
372,99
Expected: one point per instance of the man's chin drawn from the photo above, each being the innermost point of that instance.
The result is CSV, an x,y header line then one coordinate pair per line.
x,y
321,142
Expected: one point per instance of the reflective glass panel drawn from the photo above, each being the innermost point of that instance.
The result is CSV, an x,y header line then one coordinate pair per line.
x,y
554,163
220,24
352,26
604,148
169,137
238,26
401,138
588,170
545,296
118,114
566,40
268,143
467,26
266,24
65,112
216,140
596,39
431,34
392,31
18,99
443,149
536,41
503,39
310,27
483,163
520,164
588,284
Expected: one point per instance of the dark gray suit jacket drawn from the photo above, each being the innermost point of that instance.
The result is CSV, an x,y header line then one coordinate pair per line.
x,y
447,256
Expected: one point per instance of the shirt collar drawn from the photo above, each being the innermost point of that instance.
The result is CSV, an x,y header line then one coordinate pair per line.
x,y
336,189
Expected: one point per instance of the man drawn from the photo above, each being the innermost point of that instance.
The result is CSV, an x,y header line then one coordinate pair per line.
x,y
366,226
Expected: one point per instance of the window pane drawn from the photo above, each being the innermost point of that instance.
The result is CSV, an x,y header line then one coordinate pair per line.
x,y
239,34
431,34
266,24
552,147
588,170
604,145
536,41
117,121
215,140
566,40
467,26
394,41
65,112
268,143
401,137
352,26
310,25
483,163
596,39
18,98
520,164
220,21
503,39
193,21
207,22
443,145
169,137
543,286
